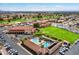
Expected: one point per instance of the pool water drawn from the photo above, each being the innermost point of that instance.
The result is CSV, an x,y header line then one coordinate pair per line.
x,y
35,40
46,43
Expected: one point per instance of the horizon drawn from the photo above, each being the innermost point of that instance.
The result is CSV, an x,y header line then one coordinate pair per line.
x,y
39,7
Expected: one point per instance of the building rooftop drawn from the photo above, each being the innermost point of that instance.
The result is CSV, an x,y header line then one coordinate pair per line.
x,y
36,48
22,28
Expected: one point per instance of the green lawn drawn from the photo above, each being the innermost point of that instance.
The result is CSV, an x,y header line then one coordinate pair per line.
x,y
18,20
60,34
12,21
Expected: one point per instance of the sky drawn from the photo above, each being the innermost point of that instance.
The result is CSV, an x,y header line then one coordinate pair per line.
x,y
39,6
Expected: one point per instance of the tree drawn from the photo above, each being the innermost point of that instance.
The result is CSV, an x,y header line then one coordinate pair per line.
x,y
42,46
9,20
8,16
36,25
39,16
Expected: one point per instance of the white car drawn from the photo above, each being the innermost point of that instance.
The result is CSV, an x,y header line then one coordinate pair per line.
x,y
61,52
13,52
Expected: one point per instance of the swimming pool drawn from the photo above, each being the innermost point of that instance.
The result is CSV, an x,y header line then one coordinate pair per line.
x,y
35,40
46,43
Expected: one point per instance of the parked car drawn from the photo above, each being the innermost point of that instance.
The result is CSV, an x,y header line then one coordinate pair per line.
x,y
2,40
1,37
13,52
61,52
7,46
9,52
77,42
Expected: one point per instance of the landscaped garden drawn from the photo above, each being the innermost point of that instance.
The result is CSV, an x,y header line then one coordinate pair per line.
x,y
59,33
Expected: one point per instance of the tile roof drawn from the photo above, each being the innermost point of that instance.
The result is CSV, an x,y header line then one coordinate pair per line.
x,y
36,48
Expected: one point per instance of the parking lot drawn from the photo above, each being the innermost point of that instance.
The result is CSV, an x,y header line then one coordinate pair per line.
x,y
74,50
20,50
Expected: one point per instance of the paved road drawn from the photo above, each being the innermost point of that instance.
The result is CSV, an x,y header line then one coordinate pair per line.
x,y
14,45
74,50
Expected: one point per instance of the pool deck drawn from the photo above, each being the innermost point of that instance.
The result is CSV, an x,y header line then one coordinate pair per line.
x,y
42,42
41,51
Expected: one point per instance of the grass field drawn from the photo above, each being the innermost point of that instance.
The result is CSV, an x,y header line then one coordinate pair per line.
x,y
12,21
17,20
60,34
27,20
